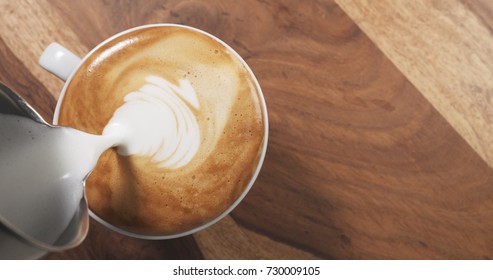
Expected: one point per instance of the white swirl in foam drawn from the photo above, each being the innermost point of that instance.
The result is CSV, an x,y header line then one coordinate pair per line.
x,y
157,121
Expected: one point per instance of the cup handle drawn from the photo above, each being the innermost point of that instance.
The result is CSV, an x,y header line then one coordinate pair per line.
x,y
59,61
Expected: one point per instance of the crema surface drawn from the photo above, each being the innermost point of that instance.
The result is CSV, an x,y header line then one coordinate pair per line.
x,y
191,124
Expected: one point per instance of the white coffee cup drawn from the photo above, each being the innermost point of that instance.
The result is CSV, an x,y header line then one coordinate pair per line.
x,y
63,63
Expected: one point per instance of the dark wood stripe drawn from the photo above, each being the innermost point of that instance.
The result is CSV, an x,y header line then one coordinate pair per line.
x,y
19,78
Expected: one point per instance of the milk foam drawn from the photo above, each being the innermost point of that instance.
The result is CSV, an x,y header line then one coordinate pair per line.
x,y
42,170
157,121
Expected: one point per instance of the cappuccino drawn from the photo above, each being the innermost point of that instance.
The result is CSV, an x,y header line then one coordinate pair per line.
x,y
190,124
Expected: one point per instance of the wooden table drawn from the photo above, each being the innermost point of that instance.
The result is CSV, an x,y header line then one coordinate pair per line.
x,y
380,122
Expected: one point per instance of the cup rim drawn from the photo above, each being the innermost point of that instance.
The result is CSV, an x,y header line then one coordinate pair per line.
x,y
264,144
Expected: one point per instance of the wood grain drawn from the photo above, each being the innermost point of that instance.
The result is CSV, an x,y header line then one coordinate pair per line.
x,y
40,26
360,165
444,48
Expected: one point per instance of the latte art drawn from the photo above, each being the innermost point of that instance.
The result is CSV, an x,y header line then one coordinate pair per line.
x,y
157,121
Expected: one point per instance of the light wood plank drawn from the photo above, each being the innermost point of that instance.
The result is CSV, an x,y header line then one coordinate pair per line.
x,y
445,49
228,240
